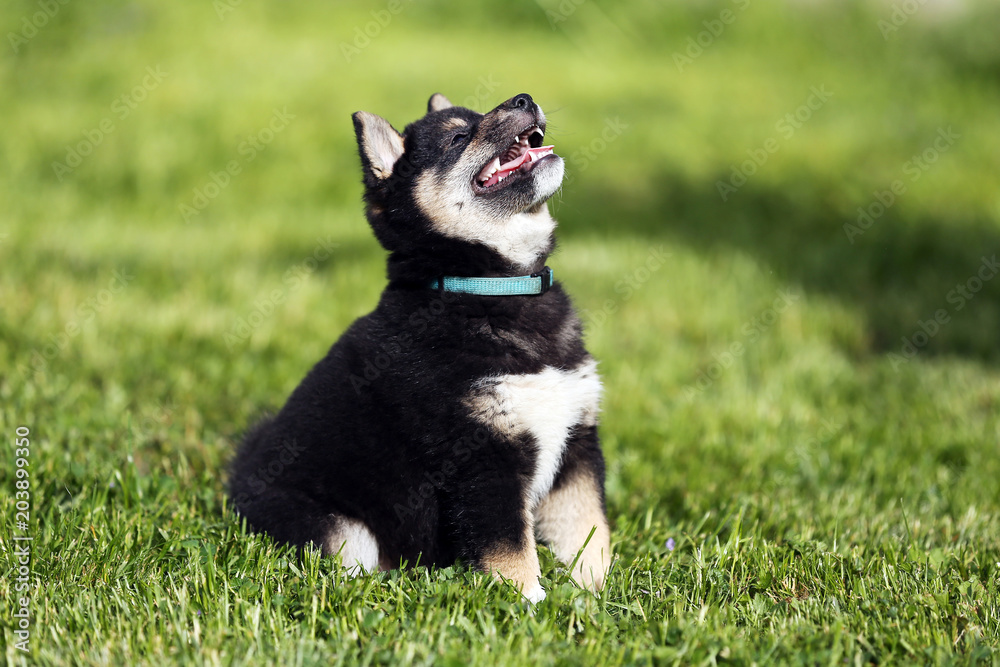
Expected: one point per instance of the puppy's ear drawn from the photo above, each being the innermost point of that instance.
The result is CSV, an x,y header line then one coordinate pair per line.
x,y
438,102
379,144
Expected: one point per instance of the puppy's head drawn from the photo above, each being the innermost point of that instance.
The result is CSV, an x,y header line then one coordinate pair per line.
x,y
461,176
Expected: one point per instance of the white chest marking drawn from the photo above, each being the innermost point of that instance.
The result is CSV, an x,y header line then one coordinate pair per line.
x,y
546,405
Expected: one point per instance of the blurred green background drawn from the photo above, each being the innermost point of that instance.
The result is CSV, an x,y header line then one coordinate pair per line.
x,y
764,345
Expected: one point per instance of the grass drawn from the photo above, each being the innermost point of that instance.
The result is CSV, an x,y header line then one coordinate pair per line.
x,y
828,498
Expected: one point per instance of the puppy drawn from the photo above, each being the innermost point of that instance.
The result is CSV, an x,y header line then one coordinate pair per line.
x,y
458,420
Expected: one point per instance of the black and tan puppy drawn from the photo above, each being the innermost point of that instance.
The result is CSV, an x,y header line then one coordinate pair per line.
x,y
458,420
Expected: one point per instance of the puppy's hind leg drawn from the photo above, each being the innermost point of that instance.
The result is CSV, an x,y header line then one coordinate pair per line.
x,y
290,517
266,489
354,544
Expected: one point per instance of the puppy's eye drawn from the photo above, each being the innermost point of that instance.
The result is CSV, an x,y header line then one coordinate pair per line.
x,y
459,138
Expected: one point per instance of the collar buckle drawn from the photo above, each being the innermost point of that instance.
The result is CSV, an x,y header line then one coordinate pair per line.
x,y
546,276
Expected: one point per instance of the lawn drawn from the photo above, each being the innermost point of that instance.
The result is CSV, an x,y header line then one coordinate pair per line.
x,y
780,224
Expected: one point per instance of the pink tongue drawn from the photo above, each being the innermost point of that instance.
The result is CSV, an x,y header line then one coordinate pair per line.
x,y
507,167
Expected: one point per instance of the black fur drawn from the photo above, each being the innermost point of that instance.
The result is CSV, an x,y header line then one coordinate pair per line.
x,y
377,430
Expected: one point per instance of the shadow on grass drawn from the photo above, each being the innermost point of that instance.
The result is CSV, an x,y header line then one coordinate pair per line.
x,y
901,271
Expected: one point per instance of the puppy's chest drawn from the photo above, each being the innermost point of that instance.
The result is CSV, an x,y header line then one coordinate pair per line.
x,y
546,405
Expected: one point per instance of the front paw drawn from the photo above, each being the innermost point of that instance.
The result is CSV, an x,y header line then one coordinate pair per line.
x,y
533,593
518,566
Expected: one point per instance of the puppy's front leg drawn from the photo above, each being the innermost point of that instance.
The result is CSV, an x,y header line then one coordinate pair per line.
x,y
496,530
516,560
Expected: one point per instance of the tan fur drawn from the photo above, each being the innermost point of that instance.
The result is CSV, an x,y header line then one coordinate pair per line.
x,y
454,124
489,405
453,209
450,203
517,565
565,518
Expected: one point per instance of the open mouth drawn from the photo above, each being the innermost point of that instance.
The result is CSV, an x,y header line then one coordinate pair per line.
x,y
518,158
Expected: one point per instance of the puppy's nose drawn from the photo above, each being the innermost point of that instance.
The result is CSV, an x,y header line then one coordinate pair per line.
x,y
522,101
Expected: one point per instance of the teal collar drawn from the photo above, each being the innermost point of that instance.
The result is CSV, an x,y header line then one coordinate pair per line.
x,y
536,283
